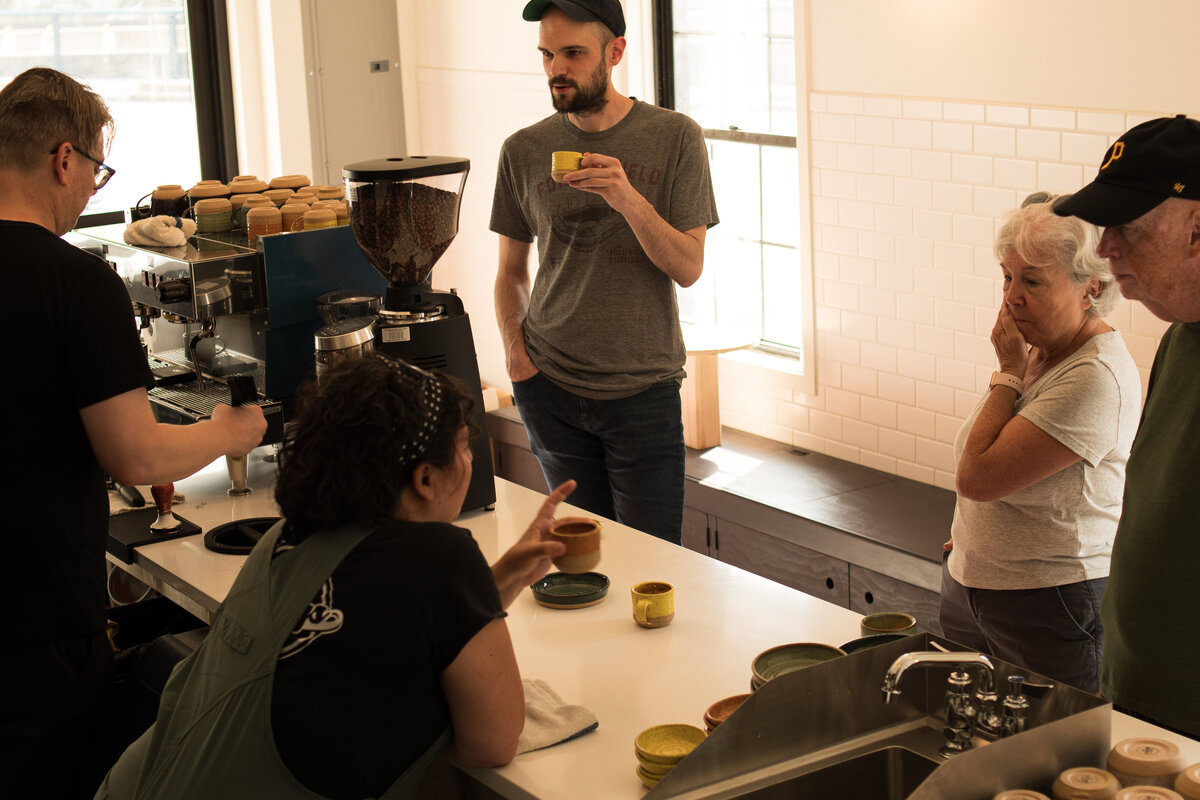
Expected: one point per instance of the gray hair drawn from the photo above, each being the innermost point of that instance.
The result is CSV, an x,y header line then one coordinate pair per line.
x,y
1038,236
40,109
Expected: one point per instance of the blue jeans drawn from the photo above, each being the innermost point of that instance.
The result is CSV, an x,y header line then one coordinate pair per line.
x,y
626,455
1054,631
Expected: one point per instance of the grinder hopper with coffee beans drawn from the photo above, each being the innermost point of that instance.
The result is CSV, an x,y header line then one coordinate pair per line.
x,y
404,214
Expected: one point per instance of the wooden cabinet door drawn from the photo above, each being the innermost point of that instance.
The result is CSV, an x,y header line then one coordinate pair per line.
x,y
518,465
871,592
781,561
696,533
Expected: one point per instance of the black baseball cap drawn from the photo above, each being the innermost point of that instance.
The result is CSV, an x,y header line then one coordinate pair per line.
x,y
607,11
1149,163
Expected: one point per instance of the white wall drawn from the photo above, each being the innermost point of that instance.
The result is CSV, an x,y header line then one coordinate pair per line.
x,y
927,119
1098,54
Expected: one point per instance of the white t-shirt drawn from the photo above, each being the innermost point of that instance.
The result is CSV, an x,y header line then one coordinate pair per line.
x,y
1059,530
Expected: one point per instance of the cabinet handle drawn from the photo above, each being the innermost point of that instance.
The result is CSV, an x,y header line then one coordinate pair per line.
x,y
829,583
870,598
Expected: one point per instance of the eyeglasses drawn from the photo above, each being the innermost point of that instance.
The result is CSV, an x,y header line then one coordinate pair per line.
x,y
103,171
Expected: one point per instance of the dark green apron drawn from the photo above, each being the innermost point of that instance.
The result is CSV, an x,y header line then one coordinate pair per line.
x,y
213,735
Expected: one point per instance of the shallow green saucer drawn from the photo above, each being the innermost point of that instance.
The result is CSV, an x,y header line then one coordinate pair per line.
x,y
570,590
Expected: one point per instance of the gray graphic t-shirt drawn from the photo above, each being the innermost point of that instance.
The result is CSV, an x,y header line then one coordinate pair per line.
x,y
603,321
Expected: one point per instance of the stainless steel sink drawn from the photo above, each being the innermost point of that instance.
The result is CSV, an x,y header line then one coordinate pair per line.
x,y
830,719
892,773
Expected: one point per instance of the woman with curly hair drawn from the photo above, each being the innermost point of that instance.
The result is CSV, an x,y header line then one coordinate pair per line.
x,y
365,628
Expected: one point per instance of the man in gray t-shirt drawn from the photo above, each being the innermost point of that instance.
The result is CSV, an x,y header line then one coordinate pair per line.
x,y
593,344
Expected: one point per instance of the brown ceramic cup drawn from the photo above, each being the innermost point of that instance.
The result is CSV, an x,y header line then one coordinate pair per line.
x,y
581,535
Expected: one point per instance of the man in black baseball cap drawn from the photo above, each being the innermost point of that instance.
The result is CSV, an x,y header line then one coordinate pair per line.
x,y
1151,162
605,11
1145,194
1147,197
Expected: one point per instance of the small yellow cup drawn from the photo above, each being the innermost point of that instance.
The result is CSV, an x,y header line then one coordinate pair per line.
x,y
564,161
653,603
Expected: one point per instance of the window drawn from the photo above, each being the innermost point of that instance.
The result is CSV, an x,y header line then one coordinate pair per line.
x,y
160,66
731,67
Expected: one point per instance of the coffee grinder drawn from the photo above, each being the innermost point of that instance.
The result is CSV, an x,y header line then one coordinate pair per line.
x,y
404,214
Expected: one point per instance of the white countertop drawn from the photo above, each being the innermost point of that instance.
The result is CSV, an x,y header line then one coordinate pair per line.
x,y
630,677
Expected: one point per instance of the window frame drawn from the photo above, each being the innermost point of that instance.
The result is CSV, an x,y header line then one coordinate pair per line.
x,y
212,91
800,360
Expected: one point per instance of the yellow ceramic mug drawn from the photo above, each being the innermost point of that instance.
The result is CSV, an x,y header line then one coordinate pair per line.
x,y
653,603
564,161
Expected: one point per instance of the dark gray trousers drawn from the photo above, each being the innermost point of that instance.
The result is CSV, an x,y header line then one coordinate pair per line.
x,y
1053,631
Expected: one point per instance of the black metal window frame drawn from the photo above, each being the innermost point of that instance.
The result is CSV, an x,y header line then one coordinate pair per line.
x,y
663,31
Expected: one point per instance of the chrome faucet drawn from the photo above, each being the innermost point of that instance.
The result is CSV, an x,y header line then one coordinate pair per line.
x,y
891,681
964,709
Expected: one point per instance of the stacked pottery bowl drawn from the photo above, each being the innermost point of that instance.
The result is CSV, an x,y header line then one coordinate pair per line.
x,y
660,748
719,711
789,658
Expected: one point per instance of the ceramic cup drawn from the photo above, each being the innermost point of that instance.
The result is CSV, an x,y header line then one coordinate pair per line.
x,y
564,161
653,603
1143,761
887,622
1085,783
581,535
169,199
317,218
261,221
213,215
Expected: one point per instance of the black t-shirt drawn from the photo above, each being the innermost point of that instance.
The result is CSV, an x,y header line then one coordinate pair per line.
x,y
70,342
357,696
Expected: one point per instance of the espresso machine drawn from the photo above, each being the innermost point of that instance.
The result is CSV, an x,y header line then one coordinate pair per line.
x,y
404,214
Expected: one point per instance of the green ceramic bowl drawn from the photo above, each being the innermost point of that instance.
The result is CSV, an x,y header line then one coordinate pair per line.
x,y
866,642
789,658
570,590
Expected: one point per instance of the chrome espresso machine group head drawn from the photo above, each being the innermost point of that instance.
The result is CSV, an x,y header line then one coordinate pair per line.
x,y
404,214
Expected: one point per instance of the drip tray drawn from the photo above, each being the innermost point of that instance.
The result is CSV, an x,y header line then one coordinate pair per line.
x,y
132,529
238,538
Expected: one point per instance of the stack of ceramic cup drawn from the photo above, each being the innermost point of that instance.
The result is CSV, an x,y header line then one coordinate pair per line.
x,y
788,658
660,748
719,711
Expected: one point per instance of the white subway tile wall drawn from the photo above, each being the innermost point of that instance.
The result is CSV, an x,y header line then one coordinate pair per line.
x,y
908,194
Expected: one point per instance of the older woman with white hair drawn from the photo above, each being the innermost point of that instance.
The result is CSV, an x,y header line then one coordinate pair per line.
x,y
1041,460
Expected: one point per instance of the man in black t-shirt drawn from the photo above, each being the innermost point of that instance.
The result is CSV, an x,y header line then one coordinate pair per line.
x,y
75,408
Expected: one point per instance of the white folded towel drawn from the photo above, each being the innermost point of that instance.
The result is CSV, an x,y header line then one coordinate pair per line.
x,y
117,504
548,720
160,231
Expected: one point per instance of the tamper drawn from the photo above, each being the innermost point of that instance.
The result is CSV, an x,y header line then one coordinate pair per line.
x,y
241,391
166,522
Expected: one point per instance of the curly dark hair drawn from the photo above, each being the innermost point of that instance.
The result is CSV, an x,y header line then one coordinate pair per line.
x,y
339,461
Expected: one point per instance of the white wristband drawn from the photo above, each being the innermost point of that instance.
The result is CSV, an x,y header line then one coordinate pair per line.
x,y
1011,381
